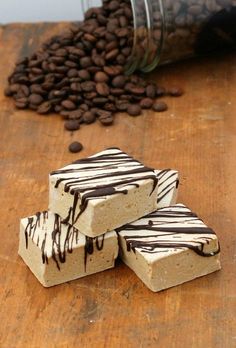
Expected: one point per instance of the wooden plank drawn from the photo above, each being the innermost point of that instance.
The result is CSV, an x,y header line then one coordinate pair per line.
x,y
197,136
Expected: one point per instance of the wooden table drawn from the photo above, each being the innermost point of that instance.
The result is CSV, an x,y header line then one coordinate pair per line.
x,y
197,136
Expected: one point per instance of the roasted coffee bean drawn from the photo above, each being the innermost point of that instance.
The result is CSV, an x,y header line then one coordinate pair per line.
x,y
151,91
119,81
113,70
75,114
102,89
35,99
146,103
175,91
160,106
72,73
134,110
68,104
72,125
89,117
112,54
84,75
101,76
21,105
85,62
98,60
122,105
75,147
160,91
100,101
88,86
44,108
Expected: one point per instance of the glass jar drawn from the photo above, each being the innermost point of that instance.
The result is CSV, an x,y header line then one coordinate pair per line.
x,y
165,31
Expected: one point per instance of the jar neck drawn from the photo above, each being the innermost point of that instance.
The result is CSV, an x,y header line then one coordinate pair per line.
x,y
148,35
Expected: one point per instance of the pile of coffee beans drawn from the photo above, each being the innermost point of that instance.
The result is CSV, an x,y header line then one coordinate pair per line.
x,y
80,74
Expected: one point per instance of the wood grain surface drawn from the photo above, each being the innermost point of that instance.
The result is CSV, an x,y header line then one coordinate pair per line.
x,y
197,136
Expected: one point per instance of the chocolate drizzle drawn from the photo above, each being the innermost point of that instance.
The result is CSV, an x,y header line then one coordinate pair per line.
x,y
56,239
166,229
107,173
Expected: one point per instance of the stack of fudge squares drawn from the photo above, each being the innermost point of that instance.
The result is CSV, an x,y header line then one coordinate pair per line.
x,y
110,204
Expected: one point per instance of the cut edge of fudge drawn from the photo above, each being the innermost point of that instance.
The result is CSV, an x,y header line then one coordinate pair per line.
x,y
169,247
56,252
102,192
168,183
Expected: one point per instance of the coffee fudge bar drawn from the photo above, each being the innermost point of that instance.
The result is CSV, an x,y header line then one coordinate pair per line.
x,y
102,192
169,247
57,252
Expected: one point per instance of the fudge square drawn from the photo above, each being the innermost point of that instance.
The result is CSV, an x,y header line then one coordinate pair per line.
x,y
56,252
169,247
102,192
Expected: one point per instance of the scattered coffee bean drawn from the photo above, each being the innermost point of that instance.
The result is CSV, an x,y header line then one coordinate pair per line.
x,y
146,103
160,106
72,125
134,110
176,92
75,147
101,76
89,117
68,104
35,99
44,108
102,89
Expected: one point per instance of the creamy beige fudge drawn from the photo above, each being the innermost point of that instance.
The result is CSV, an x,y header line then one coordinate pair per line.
x,y
103,192
56,252
169,247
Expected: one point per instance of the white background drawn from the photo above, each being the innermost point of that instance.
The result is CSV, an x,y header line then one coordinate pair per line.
x,y
40,10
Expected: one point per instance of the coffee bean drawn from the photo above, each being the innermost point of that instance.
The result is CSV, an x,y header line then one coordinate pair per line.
x,y
112,54
151,91
146,103
88,86
68,104
72,73
113,70
134,110
35,99
72,125
102,89
21,105
44,108
160,106
176,91
85,62
89,117
100,101
113,5
75,147
101,76
122,105
75,114
119,81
